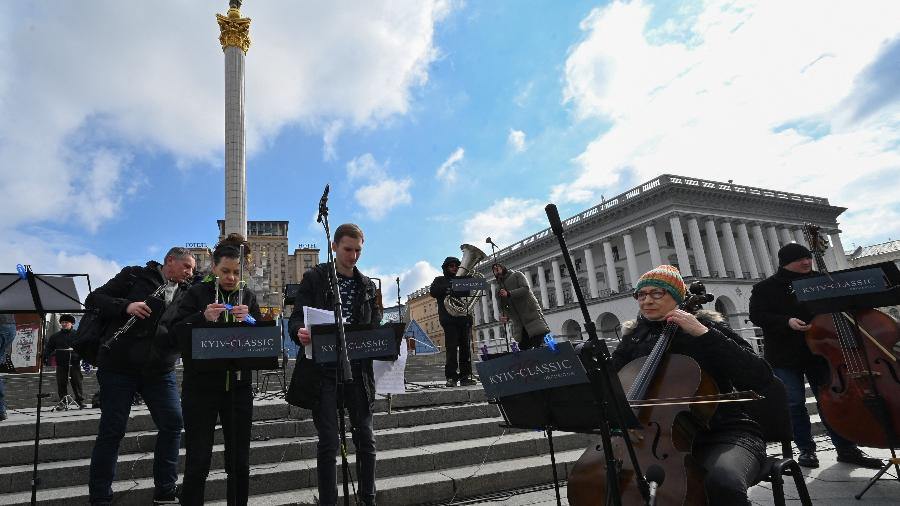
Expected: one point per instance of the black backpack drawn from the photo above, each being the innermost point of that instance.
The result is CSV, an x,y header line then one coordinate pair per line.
x,y
89,335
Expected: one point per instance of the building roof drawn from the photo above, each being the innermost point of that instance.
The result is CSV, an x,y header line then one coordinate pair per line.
x,y
665,182
875,249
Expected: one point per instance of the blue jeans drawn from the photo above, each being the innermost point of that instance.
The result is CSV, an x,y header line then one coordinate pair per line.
x,y
7,334
117,391
326,422
796,394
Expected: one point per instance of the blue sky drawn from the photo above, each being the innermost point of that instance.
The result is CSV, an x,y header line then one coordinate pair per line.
x,y
435,122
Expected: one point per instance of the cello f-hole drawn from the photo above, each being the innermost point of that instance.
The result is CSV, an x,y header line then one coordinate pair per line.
x,y
890,369
841,387
656,437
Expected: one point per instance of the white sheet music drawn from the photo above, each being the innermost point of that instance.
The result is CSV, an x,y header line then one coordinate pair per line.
x,y
390,376
315,316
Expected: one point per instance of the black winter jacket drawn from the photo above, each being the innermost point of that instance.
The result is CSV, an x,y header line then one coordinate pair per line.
x,y
190,310
722,354
135,352
315,291
439,289
772,304
60,341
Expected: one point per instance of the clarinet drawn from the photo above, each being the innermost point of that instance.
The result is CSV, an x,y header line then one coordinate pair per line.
x,y
128,324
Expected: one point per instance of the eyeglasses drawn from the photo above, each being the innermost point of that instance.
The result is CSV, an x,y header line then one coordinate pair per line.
x,y
654,294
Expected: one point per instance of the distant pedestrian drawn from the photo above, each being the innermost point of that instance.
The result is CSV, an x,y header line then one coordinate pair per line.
x,y
68,363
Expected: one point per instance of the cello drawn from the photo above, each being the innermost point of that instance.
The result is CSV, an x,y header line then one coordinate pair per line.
x,y
672,399
861,397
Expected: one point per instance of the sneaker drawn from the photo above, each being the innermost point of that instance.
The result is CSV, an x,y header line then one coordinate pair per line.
x,y
170,497
81,404
451,382
468,381
859,459
808,459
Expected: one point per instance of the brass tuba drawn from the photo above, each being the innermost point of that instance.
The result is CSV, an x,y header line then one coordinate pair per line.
x,y
462,306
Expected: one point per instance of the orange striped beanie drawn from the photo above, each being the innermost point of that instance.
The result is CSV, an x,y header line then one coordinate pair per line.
x,y
666,277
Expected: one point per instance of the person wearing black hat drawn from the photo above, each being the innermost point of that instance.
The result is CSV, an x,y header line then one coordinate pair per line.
x,y
457,329
68,363
775,309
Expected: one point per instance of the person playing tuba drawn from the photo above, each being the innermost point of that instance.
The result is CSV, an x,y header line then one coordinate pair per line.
x,y
457,326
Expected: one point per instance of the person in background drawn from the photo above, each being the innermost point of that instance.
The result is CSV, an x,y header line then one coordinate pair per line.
x,y
520,308
457,329
7,334
68,363
775,309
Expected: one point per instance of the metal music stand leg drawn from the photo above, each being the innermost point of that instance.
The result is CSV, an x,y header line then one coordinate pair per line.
x,y
549,431
893,461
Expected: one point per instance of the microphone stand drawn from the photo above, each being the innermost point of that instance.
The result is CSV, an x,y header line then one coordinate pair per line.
x,y
615,411
344,373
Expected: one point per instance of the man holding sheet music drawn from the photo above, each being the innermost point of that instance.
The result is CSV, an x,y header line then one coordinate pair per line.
x,y
319,392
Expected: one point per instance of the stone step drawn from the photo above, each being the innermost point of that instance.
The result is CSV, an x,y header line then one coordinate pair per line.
x,y
445,486
138,464
20,426
403,465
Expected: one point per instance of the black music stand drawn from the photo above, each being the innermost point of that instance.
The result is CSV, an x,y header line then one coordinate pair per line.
x,y
572,406
849,291
27,292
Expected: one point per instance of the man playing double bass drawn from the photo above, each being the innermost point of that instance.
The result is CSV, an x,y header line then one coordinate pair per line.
x,y
775,309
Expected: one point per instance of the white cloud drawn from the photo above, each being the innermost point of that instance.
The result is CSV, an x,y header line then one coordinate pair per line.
x,y
516,139
418,276
379,193
759,92
53,257
380,197
448,170
365,167
505,221
329,140
133,83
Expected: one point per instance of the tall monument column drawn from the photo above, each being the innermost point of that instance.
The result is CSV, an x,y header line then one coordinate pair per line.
x,y
235,39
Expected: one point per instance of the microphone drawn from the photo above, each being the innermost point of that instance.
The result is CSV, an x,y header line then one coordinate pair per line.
x,y
655,476
553,216
323,205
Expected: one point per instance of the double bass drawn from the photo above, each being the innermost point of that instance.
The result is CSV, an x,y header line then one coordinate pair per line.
x,y
861,397
660,389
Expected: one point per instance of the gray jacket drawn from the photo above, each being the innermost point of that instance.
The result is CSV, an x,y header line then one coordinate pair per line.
x,y
521,307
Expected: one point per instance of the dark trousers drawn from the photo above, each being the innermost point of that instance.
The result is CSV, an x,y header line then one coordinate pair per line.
x,y
117,391
458,341
529,342
203,402
796,393
730,471
326,421
67,370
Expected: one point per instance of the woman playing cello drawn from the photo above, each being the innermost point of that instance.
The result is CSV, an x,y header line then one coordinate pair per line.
x,y
731,449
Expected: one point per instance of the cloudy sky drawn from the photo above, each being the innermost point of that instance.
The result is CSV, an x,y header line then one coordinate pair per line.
x,y
435,122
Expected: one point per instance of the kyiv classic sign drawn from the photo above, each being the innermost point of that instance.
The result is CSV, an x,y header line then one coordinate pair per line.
x,y
235,342
531,370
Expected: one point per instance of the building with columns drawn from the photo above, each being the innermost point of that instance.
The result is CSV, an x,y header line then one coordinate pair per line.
x,y
876,254
422,308
726,235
